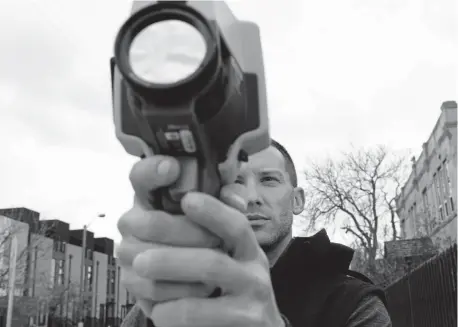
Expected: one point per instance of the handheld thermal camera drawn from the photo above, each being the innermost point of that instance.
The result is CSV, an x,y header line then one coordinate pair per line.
x,y
188,82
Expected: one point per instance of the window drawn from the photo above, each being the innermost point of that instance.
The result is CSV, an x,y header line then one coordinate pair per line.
x,y
108,281
53,271
424,194
112,282
440,176
110,310
60,272
449,184
411,220
102,312
444,188
437,188
89,276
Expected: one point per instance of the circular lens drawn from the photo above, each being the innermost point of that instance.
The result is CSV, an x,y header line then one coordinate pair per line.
x,y
167,52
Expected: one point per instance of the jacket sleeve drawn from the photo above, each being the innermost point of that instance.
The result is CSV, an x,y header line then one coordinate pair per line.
x,y
370,312
135,318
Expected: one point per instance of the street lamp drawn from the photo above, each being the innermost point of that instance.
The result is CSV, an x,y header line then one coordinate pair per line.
x,y
83,265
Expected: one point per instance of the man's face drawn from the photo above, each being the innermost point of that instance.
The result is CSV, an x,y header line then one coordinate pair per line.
x,y
272,200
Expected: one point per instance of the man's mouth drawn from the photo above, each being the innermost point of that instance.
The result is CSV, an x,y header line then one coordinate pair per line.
x,y
256,217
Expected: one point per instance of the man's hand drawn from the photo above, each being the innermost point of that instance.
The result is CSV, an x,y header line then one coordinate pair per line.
x,y
143,228
174,260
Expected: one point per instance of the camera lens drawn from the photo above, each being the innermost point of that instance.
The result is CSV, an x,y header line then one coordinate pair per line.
x,y
167,52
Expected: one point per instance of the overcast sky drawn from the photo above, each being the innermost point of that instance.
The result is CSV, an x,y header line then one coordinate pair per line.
x,y
360,71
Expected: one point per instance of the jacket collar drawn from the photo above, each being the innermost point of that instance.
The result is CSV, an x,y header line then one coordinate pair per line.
x,y
314,254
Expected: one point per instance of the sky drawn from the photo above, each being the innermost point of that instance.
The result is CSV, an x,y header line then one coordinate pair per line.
x,y
364,72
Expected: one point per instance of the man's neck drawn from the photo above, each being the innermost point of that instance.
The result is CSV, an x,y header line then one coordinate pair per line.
x,y
278,251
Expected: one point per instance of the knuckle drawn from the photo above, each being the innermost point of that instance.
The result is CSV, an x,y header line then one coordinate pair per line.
x,y
129,248
136,173
124,256
157,227
216,263
138,286
148,225
123,224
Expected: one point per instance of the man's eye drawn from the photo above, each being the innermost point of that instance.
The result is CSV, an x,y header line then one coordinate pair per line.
x,y
269,179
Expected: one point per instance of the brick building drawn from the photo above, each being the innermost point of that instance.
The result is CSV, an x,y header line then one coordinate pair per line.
x,y
48,273
427,203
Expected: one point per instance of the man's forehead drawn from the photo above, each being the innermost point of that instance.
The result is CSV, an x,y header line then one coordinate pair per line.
x,y
268,159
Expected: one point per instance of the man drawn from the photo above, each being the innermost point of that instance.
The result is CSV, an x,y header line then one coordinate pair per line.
x,y
241,245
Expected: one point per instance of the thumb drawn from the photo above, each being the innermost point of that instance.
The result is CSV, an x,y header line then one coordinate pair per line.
x,y
234,195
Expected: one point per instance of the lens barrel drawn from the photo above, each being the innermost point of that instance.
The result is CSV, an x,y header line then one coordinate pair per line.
x,y
182,90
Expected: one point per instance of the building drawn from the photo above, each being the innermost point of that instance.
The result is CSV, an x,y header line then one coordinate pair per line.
x,y
49,273
427,202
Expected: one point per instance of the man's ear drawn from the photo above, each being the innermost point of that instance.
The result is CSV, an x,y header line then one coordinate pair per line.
x,y
299,200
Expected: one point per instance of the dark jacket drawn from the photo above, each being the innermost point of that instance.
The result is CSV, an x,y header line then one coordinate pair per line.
x,y
312,286
311,283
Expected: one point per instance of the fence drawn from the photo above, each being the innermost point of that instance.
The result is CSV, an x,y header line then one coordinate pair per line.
x,y
426,297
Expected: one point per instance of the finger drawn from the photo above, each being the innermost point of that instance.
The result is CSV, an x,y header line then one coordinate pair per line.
x,y
140,287
206,266
152,173
234,195
156,291
218,312
129,248
228,223
163,228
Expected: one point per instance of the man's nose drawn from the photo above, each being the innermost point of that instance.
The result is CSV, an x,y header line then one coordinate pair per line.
x,y
253,196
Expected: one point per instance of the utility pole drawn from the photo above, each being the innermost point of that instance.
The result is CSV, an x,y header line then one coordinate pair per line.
x,y
83,271
12,281
96,289
68,284
82,276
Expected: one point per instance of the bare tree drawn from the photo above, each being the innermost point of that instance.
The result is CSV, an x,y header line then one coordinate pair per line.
x,y
28,238
360,186
51,303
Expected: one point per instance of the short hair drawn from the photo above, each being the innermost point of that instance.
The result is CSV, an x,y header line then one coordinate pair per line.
x,y
289,164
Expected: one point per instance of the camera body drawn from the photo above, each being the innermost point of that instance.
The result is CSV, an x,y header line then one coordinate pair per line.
x,y
212,119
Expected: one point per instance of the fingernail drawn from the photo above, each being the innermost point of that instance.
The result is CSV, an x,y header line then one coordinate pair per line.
x,y
163,167
192,200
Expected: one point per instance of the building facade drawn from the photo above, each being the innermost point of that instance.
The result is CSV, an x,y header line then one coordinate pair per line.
x,y
427,202
60,280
